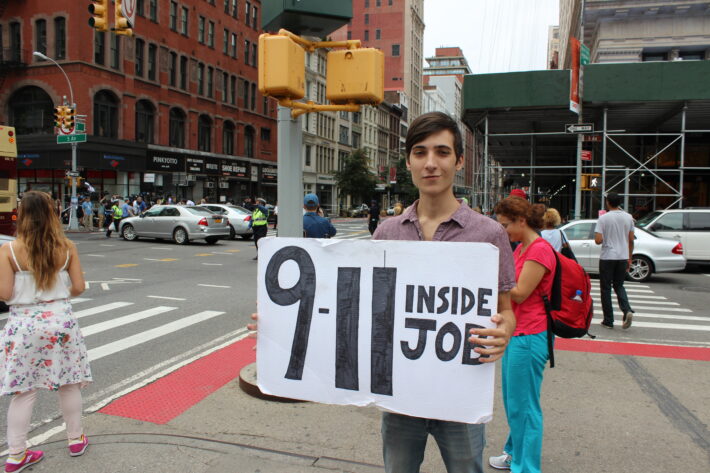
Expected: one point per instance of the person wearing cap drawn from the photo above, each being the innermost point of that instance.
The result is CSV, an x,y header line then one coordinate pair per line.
x,y
315,226
518,193
258,222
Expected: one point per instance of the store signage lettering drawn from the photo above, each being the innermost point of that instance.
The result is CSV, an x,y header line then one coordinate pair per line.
x,y
195,165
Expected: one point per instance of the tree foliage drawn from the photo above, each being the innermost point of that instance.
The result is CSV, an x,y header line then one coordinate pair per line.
x,y
405,189
355,178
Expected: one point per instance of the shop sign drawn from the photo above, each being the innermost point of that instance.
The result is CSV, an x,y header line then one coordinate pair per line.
x,y
166,162
269,173
211,166
254,173
194,165
149,177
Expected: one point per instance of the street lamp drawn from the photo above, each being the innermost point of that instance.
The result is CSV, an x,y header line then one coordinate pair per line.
x,y
73,222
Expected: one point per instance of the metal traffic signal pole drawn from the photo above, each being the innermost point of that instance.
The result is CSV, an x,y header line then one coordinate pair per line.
x,y
290,187
578,179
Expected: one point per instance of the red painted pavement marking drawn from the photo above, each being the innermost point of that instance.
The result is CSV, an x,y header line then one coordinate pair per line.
x,y
634,349
170,396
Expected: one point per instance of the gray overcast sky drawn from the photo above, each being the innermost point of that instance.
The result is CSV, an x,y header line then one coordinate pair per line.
x,y
495,35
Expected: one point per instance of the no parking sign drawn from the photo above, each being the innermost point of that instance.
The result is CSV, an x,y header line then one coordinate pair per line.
x,y
377,322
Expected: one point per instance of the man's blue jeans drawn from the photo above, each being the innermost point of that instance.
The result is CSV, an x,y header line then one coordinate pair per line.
x,y
404,440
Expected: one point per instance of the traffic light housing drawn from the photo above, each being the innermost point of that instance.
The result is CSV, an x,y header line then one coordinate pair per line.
x,y
121,23
99,10
281,67
591,182
59,112
355,76
68,119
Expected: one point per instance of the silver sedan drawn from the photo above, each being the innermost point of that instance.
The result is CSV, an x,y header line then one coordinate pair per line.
x,y
652,254
179,223
239,219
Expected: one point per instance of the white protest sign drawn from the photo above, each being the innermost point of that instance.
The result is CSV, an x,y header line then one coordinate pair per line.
x,y
377,322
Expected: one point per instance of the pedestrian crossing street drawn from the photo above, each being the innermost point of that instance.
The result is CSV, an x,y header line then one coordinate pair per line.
x,y
345,232
650,310
117,310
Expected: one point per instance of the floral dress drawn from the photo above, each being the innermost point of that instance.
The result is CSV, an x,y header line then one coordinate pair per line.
x,y
41,345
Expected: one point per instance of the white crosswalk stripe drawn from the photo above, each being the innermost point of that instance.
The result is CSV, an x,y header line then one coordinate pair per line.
x,y
127,319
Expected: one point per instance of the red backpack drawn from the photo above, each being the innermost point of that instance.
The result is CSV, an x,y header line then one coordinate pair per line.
x,y
568,317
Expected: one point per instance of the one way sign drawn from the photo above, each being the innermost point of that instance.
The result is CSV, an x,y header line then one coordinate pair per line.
x,y
579,128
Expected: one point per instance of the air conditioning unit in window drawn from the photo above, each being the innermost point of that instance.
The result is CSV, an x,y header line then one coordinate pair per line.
x,y
209,185
191,178
224,185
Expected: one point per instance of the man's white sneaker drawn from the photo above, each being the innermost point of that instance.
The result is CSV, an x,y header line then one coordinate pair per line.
x,y
500,463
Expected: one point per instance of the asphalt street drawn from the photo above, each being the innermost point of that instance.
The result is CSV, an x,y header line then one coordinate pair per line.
x,y
151,306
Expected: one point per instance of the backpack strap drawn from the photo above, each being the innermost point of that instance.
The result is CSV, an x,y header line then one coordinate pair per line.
x,y
550,346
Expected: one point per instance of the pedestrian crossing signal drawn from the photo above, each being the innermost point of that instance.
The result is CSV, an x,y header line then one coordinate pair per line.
x,y
591,182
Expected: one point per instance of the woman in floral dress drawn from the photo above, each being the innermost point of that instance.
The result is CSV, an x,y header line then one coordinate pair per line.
x,y
41,345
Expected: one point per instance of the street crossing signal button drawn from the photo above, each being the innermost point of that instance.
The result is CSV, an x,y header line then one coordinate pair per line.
x,y
281,67
355,75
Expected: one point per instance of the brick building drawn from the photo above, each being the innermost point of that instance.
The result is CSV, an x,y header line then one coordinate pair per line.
x,y
173,110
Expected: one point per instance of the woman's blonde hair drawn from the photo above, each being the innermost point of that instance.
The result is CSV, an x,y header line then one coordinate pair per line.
x,y
551,218
38,227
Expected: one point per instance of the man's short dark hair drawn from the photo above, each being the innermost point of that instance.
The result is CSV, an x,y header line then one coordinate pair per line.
x,y
613,199
430,123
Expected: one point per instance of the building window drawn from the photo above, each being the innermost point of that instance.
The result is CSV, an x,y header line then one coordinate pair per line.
x,y
378,3
204,133
247,17
247,44
99,47
201,30
377,34
344,135
177,128
115,51
266,134
233,90
253,96
173,15
395,50
651,57
367,18
41,36
226,6
183,23
254,55
235,8
308,155
153,10
152,59
234,45
266,106
200,79
367,3
249,142
140,7
367,35
183,72
105,114
31,111
210,82
60,38
228,138
140,47
254,17
225,42
173,69
210,34
145,119
389,2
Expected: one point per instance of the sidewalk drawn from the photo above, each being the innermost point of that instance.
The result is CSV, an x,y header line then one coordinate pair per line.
x,y
603,413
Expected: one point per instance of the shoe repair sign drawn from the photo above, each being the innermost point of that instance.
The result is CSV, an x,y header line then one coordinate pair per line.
x,y
377,322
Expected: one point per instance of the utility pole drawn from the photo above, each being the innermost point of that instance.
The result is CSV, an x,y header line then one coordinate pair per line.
x,y
578,178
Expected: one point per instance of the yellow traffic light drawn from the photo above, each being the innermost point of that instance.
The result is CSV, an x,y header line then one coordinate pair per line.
x,y
281,67
69,115
584,185
355,76
59,112
99,10
121,23
79,182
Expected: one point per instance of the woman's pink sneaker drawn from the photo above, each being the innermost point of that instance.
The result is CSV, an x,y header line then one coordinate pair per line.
x,y
31,457
78,447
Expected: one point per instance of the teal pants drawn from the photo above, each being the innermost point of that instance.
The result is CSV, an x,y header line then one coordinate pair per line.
x,y
523,363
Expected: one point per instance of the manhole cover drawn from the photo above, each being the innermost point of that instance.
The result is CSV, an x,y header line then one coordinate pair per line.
x,y
696,289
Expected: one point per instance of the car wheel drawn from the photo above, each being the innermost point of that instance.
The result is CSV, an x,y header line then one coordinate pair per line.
x,y
641,269
211,240
180,236
232,233
246,236
129,233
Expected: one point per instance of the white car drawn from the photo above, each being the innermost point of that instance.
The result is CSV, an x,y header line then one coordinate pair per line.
x,y
652,254
239,219
690,226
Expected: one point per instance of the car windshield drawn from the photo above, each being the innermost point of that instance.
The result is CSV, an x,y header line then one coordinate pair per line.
x,y
642,222
238,209
198,210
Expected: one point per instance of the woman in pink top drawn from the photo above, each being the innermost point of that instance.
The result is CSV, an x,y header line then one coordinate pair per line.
x,y
527,353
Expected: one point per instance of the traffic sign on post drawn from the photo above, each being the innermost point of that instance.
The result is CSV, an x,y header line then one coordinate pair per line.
x,y
584,55
579,128
80,138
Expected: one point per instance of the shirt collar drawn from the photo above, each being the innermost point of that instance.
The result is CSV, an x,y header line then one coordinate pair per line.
x,y
460,216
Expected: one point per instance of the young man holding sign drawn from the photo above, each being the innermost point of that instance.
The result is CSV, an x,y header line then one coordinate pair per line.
x,y
434,154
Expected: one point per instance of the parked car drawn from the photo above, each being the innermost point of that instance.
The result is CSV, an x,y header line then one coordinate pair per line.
x,y
652,254
361,210
179,223
689,226
239,219
3,239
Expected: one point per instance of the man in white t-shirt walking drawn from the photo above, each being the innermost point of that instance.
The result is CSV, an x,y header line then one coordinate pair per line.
x,y
615,232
